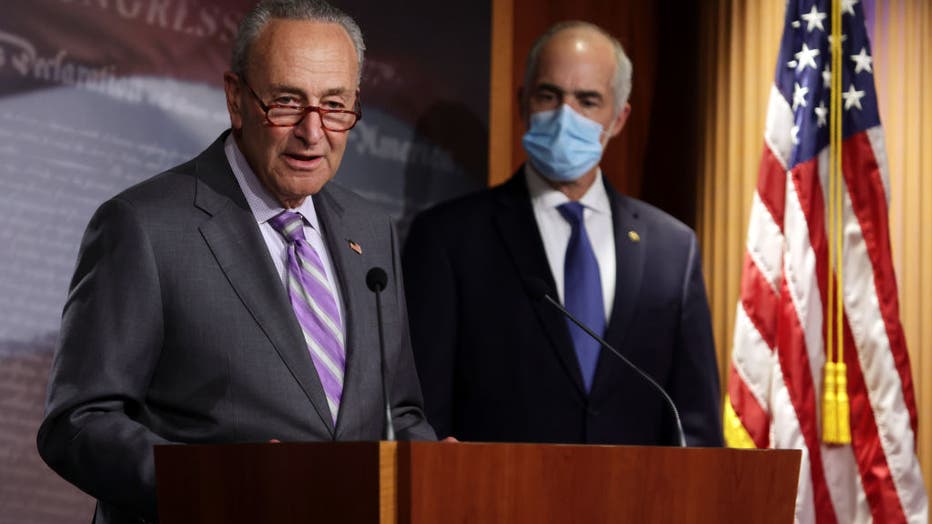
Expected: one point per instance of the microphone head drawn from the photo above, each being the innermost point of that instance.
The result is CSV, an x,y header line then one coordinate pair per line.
x,y
536,288
376,279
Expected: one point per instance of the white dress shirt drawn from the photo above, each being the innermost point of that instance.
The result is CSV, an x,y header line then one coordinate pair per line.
x,y
264,206
555,230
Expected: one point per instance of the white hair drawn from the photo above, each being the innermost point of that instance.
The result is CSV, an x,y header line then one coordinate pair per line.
x,y
313,10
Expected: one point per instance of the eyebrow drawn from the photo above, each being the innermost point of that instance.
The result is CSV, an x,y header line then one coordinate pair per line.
x,y
578,94
333,91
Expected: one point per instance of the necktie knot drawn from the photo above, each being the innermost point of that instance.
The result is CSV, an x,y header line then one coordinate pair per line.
x,y
289,224
572,212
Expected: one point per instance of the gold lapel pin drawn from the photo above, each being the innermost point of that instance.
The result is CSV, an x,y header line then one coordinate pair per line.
x,y
634,236
355,247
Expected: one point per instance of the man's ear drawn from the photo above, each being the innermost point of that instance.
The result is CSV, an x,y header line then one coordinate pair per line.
x,y
619,122
231,86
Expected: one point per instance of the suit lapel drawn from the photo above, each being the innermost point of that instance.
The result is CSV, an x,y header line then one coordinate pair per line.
x,y
235,241
522,239
631,239
338,229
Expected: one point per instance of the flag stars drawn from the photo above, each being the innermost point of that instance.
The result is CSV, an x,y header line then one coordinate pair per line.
x,y
814,19
799,95
806,57
847,6
821,113
795,135
862,61
831,39
826,77
852,98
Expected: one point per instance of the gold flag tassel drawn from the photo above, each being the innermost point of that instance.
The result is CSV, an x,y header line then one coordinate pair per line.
x,y
829,405
844,407
843,411
836,409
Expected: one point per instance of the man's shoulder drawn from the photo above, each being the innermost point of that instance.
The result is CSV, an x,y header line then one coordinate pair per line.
x,y
658,219
159,191
176,183
335,194
466,208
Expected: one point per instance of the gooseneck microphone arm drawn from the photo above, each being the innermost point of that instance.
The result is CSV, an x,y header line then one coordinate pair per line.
x,y
539,291
376,280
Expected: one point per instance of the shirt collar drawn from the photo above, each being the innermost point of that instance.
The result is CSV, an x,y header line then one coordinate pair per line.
x,y
262,204
542,194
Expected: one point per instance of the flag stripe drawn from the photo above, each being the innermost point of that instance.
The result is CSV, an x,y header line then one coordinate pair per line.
x,y
886,457
800,351
765,243
779,121
798,380
755,419
771,184
754,365
872,463
785,434
870,206
759,301
864,434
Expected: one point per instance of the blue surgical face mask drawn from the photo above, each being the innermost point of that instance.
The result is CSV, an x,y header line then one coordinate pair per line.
x,y
562,144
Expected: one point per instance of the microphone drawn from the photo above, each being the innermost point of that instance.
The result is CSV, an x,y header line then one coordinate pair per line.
x,y
376,280
539,291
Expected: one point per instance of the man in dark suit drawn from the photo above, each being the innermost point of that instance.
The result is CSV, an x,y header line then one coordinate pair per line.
x,y
225,299
498,365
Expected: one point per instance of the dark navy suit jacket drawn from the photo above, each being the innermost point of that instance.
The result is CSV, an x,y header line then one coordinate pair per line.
x,y
497,365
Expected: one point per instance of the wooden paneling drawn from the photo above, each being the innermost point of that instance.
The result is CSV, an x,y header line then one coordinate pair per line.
x,y
502,92
433,482
480,482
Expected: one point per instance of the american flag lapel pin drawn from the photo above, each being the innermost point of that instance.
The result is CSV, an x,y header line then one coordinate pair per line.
x,y
354,246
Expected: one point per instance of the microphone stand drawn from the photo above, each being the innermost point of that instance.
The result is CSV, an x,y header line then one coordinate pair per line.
x,y
376,280
676,415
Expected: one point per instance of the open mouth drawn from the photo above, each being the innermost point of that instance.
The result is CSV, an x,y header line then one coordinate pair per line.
x,y
301,161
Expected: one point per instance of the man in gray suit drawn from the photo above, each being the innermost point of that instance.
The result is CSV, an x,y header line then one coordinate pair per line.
x,y
225,299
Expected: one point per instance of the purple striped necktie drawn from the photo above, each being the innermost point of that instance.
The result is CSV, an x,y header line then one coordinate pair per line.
x,y
315,307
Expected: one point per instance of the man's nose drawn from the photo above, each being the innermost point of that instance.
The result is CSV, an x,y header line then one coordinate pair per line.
x,y
311,129
573,103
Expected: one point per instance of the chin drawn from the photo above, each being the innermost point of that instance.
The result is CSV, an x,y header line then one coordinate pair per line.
x,y
310,187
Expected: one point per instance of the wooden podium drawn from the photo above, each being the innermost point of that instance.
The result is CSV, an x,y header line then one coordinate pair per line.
x,y
429,482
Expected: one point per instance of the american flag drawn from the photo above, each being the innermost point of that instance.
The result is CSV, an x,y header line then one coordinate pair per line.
x,y
775,381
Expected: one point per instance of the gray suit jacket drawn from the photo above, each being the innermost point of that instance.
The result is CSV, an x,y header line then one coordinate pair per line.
x,y
177,329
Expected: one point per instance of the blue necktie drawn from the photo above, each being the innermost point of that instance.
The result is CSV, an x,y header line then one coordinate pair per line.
x,y
582,291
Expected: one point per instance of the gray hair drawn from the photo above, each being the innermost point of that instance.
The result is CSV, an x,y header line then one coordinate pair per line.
x,y
312,10
621,81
